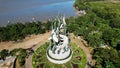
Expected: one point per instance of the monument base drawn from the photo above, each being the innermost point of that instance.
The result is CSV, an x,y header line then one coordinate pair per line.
x,y
59,58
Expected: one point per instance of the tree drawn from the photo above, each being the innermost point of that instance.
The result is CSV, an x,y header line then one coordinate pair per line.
x,y
4,34
21,55
3,54
107,35
111,36
109,64
94,39
48,25
106,56
115,23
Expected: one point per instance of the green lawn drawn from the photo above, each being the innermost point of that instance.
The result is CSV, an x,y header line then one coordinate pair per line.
x,y
39,59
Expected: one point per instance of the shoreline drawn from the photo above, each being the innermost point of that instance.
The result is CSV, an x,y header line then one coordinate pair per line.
x,y
39,12
8,45
79,12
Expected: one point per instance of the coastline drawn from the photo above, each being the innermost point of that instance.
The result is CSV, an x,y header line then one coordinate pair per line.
x,y
38,12
7,45
78,11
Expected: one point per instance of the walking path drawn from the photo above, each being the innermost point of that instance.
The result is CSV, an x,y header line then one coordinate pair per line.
x,y
86,50
43,39
78,41
28,42
37,40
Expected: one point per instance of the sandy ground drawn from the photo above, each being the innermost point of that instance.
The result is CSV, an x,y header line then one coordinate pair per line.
x,y
28,42
77,40
36,40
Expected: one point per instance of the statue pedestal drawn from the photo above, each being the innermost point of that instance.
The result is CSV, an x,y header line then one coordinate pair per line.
x,y
59,58
59,51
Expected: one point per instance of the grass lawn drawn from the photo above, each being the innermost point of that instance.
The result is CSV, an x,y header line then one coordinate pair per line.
x,y
78,60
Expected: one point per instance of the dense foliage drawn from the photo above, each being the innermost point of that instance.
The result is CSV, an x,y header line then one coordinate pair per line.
x,y
18,31
107,58
82,4
100,26
20,53
3,54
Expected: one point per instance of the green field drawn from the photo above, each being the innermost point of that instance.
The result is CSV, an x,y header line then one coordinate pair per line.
x,y
39,59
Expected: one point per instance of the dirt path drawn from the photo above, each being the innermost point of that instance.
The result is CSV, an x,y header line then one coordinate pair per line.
x,y
28,63
35,41
79,42
28,42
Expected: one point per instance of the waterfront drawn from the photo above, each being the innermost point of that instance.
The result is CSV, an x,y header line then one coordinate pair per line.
x,y
27,10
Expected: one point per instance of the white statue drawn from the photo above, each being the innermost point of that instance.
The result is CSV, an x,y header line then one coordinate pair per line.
x,y
59,42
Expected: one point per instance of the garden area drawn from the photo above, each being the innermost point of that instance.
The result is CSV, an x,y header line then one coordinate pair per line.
x,y
100,26
78,60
